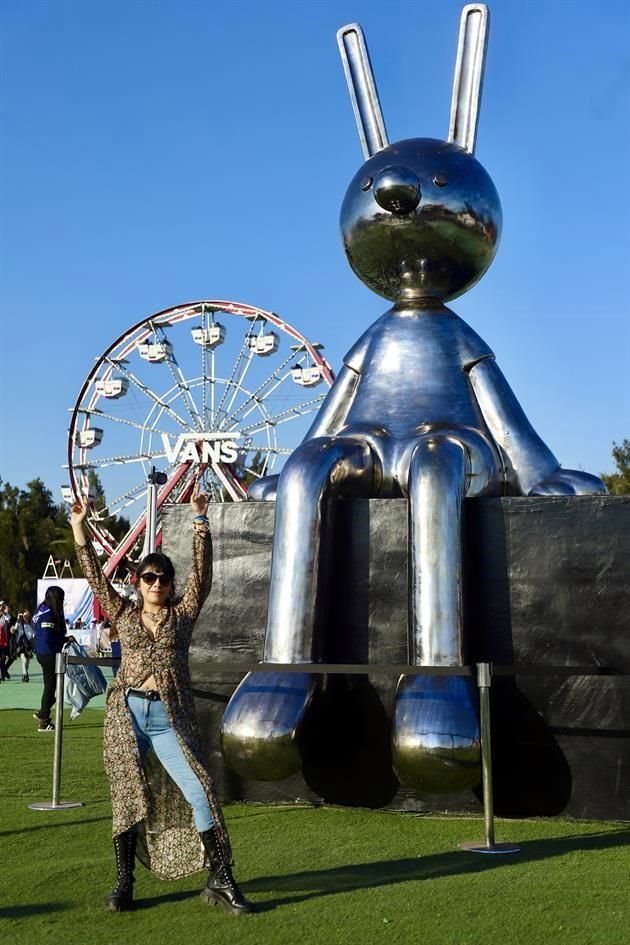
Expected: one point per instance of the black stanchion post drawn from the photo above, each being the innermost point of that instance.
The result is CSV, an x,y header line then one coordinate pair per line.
x,y
484,681
55,804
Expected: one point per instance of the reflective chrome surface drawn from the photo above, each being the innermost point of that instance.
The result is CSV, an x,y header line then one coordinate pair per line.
x,y
362,87
436,745
437,485
531,467
318,470
420,409
260,731
264,490
437,246
262,719
468,81
396,189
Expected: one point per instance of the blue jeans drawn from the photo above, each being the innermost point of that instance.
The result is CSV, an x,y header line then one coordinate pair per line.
x,y
152,728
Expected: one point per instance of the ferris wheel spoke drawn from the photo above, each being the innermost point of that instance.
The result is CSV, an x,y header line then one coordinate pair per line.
x,y
182,384
94,411
128,498
259,401
149,393
290,414
230,380
213,490
271,450
204,368
268,454
121,460
212,391
238,387
276,378
122,502
179,490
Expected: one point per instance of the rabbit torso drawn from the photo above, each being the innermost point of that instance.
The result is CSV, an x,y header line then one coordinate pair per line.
x,y
413,379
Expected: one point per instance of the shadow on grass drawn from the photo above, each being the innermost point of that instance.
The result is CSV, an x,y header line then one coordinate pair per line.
x,y
272,810
52,824
28,910
147,902
312,884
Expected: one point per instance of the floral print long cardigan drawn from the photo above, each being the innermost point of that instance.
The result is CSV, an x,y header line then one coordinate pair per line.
x,y
145,795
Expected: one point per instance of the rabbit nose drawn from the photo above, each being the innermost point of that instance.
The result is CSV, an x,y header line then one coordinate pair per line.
x,y
397,189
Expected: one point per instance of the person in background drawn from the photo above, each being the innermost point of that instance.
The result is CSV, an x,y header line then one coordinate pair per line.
x,y
6,620
25,638
103,644
50,635
116,655
13,647
174,823
4,646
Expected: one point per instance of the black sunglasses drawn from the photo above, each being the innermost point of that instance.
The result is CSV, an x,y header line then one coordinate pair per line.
x,y
150,577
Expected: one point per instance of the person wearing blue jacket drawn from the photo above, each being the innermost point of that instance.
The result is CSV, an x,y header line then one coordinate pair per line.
x,y
50,635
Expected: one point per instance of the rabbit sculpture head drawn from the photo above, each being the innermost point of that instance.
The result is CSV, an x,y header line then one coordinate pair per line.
x,y
421,218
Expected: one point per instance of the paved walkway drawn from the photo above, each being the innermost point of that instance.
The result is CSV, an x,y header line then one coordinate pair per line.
x,y
14,694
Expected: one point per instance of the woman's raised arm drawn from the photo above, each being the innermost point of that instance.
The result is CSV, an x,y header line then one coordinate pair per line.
x,y
199,580
113,602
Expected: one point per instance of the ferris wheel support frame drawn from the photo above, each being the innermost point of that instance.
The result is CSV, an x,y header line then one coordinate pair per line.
x,y
137,334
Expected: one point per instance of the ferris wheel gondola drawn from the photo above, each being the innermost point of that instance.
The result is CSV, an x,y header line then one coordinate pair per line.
x,y
212,390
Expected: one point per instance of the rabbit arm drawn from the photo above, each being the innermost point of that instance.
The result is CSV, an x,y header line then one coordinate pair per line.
x,y
531,467
334,409
528,459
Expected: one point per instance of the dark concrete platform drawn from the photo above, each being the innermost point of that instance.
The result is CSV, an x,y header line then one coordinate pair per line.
x,y
547,585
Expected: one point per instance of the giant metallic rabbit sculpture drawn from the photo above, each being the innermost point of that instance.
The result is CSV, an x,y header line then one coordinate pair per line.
x,y
420,409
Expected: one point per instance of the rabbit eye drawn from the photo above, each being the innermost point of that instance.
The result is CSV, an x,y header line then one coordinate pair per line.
x,y
366,183
440,180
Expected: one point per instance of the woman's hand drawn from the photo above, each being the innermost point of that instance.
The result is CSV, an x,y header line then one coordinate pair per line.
x,y
78,512
77,517
199,501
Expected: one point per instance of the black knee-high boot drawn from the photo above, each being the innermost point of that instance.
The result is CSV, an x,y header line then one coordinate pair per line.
x,y
221,888
120,898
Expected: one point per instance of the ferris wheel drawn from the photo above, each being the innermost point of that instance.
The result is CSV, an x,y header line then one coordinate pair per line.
x,y
215,391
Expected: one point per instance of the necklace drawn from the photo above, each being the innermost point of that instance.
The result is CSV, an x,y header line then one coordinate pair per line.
x,y
148,613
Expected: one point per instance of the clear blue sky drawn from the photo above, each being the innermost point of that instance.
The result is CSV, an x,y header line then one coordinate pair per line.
x,y
157,152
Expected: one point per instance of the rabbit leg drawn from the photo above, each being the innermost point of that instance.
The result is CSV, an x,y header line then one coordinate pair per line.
x,y
436,744
260,727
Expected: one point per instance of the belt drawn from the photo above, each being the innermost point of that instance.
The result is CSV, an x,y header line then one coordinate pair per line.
x,y
151,694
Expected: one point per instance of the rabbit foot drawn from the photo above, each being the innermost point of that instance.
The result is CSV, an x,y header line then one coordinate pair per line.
x,y
261,725
436,746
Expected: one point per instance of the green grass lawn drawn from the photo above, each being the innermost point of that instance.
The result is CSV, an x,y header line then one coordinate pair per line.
x,y
325,875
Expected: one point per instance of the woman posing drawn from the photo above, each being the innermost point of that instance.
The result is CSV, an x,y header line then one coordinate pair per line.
x,y
164,804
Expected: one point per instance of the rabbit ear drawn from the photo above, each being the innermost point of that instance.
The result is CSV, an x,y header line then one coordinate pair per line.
x,y
468,82
363,93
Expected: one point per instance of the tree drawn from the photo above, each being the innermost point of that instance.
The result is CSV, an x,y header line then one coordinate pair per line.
x,y
32,528
618,483
11,549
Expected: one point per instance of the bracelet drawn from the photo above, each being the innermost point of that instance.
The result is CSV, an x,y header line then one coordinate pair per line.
x,y
202,519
